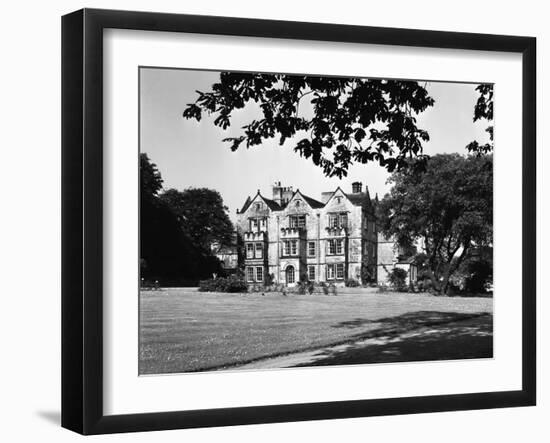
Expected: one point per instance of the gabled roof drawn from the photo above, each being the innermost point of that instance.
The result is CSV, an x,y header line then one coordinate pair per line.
x,y
246,205
333,194
315,204
358,199
271,204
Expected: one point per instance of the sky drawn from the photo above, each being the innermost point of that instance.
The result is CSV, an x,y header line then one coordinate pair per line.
x,y
191,154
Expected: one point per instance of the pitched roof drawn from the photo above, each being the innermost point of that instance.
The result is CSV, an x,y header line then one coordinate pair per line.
x,y
359,199
312,202
271,204
315,204
246,205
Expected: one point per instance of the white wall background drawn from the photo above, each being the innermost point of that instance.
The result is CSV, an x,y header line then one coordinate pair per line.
x,y
30,220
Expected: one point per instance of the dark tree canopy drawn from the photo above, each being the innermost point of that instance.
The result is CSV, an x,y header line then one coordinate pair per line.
x,y
150,178
341,121
203,216
449,206
483,111
167,252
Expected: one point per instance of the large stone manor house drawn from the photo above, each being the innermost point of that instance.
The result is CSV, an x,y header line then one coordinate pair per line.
x,y
292,237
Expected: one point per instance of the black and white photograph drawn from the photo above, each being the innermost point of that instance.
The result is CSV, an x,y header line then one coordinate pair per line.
x,y
299,220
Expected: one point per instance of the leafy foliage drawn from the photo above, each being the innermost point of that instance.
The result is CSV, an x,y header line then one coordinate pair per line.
x,y
232,283
202,216
150,178
449,207
483,110
398,278
475,275
343,120
352,283
305,287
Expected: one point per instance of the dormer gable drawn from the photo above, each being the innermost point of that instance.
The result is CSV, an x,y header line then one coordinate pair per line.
x,y
299,202
338,201
259,206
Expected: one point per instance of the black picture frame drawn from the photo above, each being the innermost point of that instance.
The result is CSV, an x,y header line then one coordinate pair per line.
x,y
82,220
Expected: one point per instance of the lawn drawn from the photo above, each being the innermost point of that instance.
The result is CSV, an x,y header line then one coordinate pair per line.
x,y
182,330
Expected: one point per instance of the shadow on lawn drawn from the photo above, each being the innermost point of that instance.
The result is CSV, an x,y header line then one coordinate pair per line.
x,y
410,320
415,336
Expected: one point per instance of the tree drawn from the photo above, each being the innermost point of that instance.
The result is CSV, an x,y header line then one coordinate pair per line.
x,y
483,111
202,215
476,272
150,178
167,254
449,207
343,120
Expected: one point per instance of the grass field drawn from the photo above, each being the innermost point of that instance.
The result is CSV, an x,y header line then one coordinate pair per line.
x,y
182,330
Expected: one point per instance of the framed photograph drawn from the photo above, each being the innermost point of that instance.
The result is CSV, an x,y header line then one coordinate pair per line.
x,y
269,221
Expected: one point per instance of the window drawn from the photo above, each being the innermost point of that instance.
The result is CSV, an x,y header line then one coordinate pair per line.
x,y
340,271
290,247
258,206
249,274
260,274
297,221
311,249
259,250
330,272
338,220
311,273
339,246
249,250
335,247
286,247
257,224
297,203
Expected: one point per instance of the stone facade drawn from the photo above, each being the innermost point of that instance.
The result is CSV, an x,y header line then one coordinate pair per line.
x,y
292,237
391,256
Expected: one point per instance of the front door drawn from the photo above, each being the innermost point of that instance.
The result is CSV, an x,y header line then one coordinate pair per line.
x,y
290,276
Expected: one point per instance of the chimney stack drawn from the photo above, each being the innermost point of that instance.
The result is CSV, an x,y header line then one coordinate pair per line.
x,y
356,187
282,194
